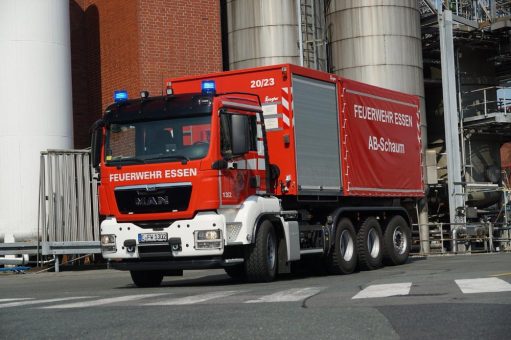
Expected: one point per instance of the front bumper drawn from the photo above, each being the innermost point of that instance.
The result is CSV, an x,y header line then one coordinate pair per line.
x,y
127,245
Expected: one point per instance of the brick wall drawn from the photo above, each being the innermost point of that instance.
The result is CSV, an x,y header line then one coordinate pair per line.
x,y
133,45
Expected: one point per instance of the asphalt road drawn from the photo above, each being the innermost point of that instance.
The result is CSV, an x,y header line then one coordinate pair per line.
x,y
462,297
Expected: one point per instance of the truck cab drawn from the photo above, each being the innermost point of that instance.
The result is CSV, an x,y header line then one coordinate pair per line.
x,y
180,176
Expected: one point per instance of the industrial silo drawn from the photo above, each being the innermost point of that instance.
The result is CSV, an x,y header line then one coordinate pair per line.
x,y
262,32
35,91
377,42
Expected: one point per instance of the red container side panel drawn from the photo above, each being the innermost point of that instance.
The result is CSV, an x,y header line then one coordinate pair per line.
x,y
381,146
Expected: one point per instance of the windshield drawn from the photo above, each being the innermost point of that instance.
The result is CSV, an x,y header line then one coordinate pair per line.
x,y
178,139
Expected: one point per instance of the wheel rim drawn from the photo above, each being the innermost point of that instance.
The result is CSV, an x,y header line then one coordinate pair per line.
x,y
271,251
373,243
346,245
399,240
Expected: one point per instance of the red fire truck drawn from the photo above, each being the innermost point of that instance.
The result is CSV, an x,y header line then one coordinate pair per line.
x,y
251,170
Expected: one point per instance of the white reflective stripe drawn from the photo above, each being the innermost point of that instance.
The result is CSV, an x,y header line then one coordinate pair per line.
x,y
260,148
384,290
289,295
106,301
285,90
15,299
261,164
252,164
189,300
285,103
241,165
484,285
387,190
285,119
36,302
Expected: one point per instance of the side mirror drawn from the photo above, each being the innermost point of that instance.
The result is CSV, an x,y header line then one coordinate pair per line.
x,y
96,142
240,134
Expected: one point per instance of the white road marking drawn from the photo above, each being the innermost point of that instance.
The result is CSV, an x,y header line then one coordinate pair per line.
x,y
384,290
289,295
106,301
189,300
486,285
35,302
15,299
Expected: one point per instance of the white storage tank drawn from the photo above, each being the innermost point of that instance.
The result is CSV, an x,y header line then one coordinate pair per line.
x,y
377,42
35,92
262,32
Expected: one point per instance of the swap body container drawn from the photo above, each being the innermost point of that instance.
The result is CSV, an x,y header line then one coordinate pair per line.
x,y
330,136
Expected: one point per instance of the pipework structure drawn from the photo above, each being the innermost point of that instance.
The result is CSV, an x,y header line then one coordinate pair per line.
x,y
466,49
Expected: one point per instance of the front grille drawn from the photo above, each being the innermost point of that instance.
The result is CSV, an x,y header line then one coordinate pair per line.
x,y
153,199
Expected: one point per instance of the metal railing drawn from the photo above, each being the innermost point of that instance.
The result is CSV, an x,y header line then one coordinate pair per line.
x,y
484,101
68,205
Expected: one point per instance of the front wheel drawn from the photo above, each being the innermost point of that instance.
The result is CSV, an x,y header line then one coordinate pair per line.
x,y
370,244
343,258
146,278
396,240
261,257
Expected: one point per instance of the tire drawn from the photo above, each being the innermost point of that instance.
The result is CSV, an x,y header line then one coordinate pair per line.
x,y
146,278
370,244
261,257
396,241
343,257
235,272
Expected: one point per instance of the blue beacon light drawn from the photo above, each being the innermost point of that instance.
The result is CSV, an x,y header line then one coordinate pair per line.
x,y
208,87
120,96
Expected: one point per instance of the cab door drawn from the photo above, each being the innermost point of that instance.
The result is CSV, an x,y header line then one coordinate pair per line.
x,y
238,143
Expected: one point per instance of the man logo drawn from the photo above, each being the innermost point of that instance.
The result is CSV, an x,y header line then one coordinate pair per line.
x,y
152,201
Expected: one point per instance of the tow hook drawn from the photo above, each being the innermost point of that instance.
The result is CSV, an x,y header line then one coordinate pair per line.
x,y
175,244
130,245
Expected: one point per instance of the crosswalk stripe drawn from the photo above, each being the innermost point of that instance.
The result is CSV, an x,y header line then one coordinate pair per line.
x,y
101,302
289,295
384,290
15,299
35,302
483,285
189,300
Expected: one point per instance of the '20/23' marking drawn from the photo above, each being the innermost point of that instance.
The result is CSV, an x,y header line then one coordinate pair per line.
x,y
266,82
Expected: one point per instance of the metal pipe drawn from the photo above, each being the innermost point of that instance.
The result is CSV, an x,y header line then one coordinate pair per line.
x,y
14,261
300,38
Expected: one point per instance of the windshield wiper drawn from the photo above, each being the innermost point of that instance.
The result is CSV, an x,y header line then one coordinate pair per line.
x,y
183,159
127,160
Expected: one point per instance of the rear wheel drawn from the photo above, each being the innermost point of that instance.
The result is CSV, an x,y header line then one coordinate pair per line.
x,y
343,258
261,257
146,278
396,240
370,244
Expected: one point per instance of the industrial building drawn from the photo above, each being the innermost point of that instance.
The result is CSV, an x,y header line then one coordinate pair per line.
x,y
454,54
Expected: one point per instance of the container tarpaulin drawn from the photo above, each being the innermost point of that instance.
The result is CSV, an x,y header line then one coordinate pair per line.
x,y
381,146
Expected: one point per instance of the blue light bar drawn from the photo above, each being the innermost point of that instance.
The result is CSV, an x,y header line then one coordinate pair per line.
x,y
208,87
120,96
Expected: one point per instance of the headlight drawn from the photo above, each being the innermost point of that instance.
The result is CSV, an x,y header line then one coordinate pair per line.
x,y
208,235
107,239
108,243
208,239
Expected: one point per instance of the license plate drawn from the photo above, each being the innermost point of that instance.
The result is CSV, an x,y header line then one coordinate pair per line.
x,y
152,237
